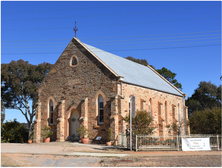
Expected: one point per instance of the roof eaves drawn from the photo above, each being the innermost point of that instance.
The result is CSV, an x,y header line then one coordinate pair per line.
x,y
165,79
96,57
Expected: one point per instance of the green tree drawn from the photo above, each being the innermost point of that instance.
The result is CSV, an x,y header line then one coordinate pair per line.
x,y
141,124
166,73
13,132
170,76
207,95
207,121
19,83
2,112
139,61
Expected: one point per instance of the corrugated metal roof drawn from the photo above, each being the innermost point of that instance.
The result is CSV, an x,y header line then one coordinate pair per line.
x,y
132,72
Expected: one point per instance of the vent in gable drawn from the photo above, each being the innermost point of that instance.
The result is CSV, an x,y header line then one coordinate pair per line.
x,y
73,61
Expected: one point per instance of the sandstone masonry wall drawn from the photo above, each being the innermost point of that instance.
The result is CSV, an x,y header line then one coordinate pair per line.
x,y
88,79
143,95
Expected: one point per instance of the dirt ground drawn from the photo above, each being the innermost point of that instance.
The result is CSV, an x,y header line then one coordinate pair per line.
x,y
62,154
40,160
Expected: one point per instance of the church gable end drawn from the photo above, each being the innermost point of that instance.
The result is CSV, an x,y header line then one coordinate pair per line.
x,y
77,74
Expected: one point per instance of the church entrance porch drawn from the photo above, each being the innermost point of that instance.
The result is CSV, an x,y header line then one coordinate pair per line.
x,y
73,126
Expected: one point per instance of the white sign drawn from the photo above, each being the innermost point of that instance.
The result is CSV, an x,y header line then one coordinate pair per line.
x,y
98,138
195,144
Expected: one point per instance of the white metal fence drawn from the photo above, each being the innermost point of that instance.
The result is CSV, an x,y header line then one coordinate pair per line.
x,y
147,142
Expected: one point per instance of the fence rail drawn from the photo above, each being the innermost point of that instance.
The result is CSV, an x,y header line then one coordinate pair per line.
x,y
147,142
144,142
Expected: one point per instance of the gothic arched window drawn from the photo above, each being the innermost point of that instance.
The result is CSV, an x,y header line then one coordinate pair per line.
x,y
166,112
101,110
150,106
50,112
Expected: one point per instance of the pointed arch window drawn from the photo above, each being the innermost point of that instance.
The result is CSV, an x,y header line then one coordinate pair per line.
x,y
178,112
51,112
101,110
150,106
166,112
73,61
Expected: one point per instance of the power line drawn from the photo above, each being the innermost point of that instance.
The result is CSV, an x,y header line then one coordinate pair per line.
x,y
113,24
107,14
112,44
135,41
116,42
155,35
117,36
125,50
73,8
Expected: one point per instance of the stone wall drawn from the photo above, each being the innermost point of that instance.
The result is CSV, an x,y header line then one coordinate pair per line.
x,y
66,84
158,100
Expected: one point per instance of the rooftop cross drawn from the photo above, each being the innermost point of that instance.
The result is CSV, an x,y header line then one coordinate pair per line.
x,y
75,29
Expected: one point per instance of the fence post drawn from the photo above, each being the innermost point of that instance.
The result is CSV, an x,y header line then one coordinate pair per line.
x,y
136,143
218,144
177,142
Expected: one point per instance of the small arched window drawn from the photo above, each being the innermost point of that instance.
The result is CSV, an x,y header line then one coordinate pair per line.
x,y
101,110
166,112
50,112
178,112
73,61
150,106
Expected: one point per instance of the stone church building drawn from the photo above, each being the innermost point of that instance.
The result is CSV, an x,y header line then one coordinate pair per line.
x,y
90,87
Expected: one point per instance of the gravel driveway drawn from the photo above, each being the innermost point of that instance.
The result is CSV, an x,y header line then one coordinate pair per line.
x,y
28,160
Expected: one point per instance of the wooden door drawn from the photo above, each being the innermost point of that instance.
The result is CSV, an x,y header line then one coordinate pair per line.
x,y
74,125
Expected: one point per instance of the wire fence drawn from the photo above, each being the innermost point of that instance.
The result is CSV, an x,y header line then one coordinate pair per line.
x,y
147,142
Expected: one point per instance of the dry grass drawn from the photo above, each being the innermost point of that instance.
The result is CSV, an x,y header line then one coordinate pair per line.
x,y
8,162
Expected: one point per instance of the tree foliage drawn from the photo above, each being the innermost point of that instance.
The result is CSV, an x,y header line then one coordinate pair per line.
x,y
2,112
207,95
14,132
207,121
170,76
139,61
19,83
141,124
166,73
175,128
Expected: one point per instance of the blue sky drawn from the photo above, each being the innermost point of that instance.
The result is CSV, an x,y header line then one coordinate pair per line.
x,y
184,37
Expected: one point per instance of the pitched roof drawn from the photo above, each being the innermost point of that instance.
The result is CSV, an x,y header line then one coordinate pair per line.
x,y
132,72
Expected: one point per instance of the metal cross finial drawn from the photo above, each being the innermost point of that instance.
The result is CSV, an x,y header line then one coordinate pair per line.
x,y
75,29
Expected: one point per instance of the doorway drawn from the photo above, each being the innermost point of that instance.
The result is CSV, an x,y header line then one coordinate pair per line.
x,y
74,125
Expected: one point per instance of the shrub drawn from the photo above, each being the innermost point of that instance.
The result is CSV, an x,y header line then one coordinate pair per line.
x,y
141,124
14,132
109,135
83,132
46,132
